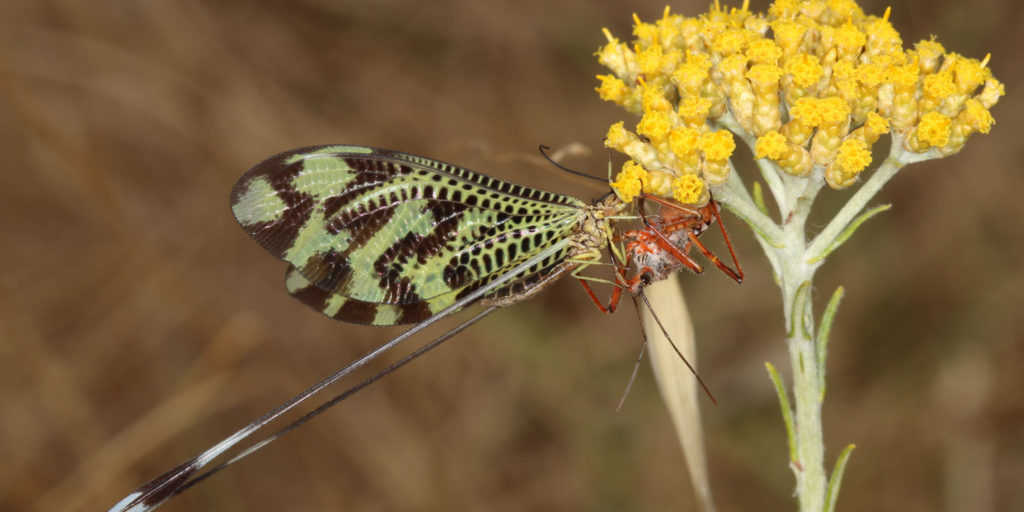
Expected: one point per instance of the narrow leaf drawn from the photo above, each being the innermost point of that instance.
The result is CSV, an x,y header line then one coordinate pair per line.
x,y
677,384
836,479
848,232
759,198
821,340
787,412
798,317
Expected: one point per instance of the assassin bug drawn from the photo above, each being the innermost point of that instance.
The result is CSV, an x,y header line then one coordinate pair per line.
x,y
663,247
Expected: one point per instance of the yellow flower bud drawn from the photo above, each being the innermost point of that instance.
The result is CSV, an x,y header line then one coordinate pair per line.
x,y
937,87
689,189
789,35
653,99
848,41
771,145
844,10
630,181
731,41
764,51
976,116
870,74
694,110
882,37
991,93
655,124
659,183
617,136
649,59
616,56
833,111
932,131
969,74
646,33
844,82
807,111
612,89
718,145
903,77
764,77
806,70
875,125
853,156
796,132
826,142
683,142
689,77
715,171
764,80
929,54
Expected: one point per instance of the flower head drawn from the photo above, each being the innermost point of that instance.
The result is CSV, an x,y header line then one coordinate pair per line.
x,y
811,85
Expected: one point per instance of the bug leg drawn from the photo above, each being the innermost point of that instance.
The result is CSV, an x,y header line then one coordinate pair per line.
x,y
736,275
634,285
613,301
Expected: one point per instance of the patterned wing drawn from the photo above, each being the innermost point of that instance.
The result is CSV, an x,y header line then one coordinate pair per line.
x,y
382,237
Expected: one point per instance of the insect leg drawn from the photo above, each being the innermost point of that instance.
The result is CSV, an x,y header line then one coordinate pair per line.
x,y
736,275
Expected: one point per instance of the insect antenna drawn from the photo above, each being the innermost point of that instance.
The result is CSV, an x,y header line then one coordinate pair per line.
x,y
674,347
643,349
544,148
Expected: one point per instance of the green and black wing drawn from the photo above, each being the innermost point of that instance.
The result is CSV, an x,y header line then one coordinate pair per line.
x,y
381,237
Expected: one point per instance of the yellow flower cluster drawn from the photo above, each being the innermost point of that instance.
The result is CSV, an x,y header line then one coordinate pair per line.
x,y
814,83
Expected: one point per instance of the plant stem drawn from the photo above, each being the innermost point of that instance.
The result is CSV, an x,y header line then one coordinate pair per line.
x,y
787,249
794,260
809,466
856,203
796,280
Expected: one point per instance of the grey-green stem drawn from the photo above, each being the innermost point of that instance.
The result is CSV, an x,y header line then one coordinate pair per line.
x,y
794,260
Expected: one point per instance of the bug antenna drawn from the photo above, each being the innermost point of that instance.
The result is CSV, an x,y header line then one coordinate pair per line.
x,y
643,349
674,347
544,148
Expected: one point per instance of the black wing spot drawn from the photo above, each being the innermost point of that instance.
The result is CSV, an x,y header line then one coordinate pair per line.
x,y
357,312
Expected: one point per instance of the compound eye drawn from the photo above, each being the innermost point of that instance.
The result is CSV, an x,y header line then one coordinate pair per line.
x,y
646,278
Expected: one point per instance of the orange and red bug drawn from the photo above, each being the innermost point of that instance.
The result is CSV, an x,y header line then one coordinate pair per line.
x,y
663,246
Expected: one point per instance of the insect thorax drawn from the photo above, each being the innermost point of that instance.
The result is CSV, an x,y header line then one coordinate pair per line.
x,y
595,229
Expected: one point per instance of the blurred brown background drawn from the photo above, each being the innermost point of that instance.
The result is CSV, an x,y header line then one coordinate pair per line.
x,y
139,324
